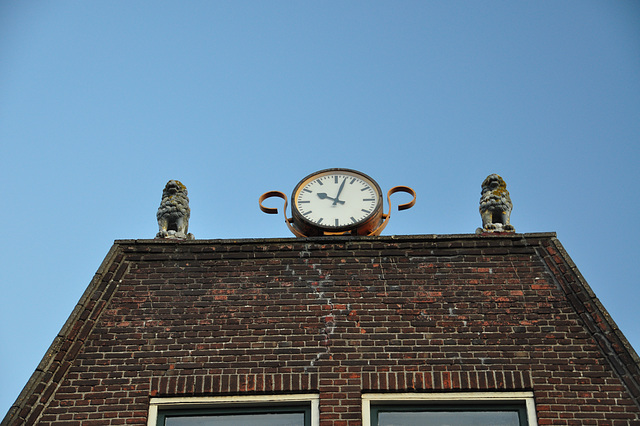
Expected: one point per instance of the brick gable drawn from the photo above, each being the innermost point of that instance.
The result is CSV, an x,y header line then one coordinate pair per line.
x,y
337,317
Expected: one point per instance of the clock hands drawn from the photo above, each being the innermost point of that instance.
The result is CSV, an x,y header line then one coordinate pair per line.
x,y
323,195
336,200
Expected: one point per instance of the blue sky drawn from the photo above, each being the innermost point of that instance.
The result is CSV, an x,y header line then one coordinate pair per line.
x,y
102,102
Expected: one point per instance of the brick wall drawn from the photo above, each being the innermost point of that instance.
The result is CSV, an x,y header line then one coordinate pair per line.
x,y
337,317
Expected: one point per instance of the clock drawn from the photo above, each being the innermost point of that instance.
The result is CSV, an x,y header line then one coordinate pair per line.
x,y
337,201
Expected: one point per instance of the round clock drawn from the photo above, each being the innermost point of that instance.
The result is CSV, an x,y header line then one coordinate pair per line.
x,y
337,201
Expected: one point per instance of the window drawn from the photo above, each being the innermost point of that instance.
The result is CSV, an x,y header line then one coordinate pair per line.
x,y
238,416
449,409
448,415
280,410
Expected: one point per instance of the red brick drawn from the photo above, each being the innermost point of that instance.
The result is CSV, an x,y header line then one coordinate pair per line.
x,y
338,317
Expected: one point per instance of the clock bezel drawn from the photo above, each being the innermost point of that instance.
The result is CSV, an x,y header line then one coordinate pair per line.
x,y
362,227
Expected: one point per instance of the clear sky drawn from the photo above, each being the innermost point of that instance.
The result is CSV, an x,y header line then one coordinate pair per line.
x,y
102,102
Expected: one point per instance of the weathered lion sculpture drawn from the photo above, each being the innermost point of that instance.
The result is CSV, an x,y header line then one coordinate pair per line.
x,y
173,213
495,206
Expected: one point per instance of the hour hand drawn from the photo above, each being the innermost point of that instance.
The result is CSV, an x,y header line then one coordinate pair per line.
x,y
323,195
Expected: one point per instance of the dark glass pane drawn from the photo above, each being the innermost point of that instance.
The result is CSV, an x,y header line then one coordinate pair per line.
x,y
258,419
442,418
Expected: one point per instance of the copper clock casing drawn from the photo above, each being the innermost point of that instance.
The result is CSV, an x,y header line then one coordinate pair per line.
x,y
360,227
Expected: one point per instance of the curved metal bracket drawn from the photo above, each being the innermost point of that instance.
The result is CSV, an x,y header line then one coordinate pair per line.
x,y
273,210
405,206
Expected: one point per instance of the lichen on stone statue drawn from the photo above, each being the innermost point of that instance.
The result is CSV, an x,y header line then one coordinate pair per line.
x,y
495,206
173,213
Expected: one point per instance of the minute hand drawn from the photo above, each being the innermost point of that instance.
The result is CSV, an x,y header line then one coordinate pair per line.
x,y
337,200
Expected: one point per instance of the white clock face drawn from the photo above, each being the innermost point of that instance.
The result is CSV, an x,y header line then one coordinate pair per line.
x,y
337,199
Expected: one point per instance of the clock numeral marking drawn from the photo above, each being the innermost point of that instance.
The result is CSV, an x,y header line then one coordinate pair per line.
x,y
307,213
304,201
366,188
366,211
320,220
368,199
320,182
335,179
353,219
337,222
352,180
307,190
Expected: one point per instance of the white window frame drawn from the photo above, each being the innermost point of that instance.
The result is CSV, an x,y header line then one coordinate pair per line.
x,y
189,403
525,398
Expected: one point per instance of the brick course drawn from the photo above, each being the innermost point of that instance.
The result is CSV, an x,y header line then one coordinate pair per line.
x,y
338,317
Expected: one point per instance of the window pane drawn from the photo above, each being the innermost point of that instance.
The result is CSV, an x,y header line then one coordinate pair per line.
x,y
443,418
262,419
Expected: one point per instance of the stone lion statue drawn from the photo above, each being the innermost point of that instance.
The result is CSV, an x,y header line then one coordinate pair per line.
x,y
173,213
495,206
